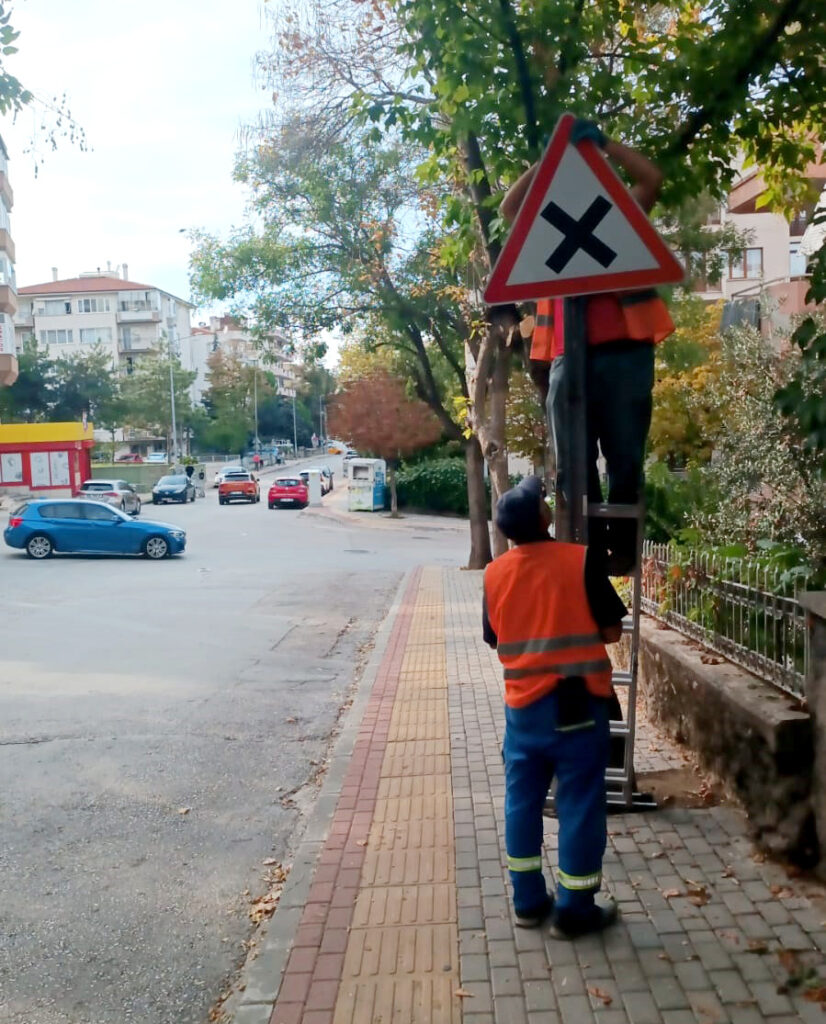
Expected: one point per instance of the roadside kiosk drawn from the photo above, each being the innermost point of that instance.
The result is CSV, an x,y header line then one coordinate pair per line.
x,y
366,486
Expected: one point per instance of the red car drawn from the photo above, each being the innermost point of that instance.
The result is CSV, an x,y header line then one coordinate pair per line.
x,y
288,490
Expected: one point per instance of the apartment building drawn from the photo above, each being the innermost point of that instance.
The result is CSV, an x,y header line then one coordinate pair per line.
x,y
8,285
104,307
770,270
226,334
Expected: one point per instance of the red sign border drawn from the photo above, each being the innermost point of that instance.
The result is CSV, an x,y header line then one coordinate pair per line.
x,y
668,271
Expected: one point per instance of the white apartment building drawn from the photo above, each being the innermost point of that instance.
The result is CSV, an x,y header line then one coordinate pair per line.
x,y
8,285
770,268
222,332
102,308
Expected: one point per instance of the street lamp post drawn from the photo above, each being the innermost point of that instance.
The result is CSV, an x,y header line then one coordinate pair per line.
x,y
255,401
170,323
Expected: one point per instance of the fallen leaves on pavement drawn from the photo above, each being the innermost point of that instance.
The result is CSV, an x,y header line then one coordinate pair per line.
x,y
265,905
604,997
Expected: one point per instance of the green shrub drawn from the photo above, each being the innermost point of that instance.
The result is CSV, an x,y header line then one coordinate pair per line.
x,y
437,485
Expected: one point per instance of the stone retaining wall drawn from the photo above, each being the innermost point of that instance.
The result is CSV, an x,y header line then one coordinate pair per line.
x,y
749,734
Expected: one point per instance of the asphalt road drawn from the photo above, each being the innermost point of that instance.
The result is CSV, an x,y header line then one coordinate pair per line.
x,y
132,690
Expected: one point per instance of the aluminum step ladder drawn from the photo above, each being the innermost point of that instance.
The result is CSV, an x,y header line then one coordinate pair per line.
x,y
572,525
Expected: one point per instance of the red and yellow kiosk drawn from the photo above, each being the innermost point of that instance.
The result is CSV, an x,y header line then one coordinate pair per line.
x,y
47,457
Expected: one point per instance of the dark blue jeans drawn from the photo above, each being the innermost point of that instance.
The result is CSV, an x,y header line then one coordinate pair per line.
x,y
619,382
535,752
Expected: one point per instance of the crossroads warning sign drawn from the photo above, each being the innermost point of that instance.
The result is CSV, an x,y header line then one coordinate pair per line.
x,y
578,231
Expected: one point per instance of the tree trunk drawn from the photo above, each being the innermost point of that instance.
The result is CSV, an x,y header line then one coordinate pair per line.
x,y
394,501
497,452
480,553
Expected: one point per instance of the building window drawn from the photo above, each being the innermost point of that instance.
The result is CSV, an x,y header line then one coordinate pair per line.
x,y
54,307
93,305
745,264
706,278
95,335
56,337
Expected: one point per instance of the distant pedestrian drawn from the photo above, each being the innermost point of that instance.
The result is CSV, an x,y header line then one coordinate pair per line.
x,y
549,610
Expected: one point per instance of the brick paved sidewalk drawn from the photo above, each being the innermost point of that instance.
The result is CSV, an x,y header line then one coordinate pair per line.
x,y
403,915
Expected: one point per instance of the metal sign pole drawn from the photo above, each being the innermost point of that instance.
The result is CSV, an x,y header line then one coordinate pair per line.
x,y
574,520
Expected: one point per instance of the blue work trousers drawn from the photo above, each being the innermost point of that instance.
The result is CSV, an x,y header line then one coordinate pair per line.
x,y
535,751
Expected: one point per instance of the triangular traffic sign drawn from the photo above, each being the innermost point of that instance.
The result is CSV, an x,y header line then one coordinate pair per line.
x,y
578,231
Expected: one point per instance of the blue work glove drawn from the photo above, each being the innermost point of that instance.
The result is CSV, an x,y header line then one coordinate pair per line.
x,y
583,130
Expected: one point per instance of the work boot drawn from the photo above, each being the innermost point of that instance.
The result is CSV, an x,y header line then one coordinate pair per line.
x,y
533,917
568,924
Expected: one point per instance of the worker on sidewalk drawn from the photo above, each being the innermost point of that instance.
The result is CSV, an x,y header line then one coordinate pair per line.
x,y
549,610
622,329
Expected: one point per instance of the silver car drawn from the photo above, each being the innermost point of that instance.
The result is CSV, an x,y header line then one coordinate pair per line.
x,y
114,492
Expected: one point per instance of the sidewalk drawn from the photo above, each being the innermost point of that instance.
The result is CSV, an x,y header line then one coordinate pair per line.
x,y
334,506
396,911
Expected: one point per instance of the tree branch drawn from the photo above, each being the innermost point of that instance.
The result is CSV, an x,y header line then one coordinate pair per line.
x,y
523,75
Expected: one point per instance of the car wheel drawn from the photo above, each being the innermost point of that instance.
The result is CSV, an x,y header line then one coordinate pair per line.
x,y
138,508
155,501
270,505
156,548
39,546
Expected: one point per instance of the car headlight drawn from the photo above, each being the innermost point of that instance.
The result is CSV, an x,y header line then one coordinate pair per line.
x,y
177,534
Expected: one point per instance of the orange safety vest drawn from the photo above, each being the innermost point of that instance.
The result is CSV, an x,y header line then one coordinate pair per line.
x,y
613,316
538,608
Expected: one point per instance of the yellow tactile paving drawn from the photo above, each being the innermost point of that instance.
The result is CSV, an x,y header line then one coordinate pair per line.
x,y
404,950
401,963
407,867
399,1000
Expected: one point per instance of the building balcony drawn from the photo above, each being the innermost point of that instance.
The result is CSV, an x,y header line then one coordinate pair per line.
x,y
6,244
24,320
130,345
6,190
8,300
135,316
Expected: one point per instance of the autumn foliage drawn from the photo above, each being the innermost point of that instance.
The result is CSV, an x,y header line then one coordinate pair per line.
x,y
377,417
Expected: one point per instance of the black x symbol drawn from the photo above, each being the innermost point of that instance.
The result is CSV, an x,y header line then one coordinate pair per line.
x,y
578,235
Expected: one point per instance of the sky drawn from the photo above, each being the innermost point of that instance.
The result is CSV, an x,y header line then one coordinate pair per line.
x,y
162,89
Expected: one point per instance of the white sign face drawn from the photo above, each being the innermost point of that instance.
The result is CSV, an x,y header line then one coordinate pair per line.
x,y
59,466
11,468
580,231
41,477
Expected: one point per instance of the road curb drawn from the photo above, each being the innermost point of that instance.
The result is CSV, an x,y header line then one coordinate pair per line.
x,y
261,977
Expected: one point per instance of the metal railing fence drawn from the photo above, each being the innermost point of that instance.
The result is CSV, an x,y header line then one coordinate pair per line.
x,y
742,610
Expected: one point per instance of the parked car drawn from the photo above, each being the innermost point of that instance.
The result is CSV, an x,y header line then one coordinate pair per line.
x,y
219,476
327,481
114,492
173,488
239,486
157,457
351,453
45,526
288,490
326,475
129,457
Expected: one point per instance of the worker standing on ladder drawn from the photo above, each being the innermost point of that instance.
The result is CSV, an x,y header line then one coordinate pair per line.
x,y
622,329
549,610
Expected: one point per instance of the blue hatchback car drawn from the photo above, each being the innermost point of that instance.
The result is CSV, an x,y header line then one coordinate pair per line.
x,y
44,526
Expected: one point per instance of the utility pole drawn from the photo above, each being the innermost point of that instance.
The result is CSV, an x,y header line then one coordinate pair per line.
x,y
255,400
170,323
295,429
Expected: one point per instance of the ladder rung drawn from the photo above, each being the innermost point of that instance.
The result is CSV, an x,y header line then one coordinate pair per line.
x,y
621,678
603,510
616,775
627,626
619,729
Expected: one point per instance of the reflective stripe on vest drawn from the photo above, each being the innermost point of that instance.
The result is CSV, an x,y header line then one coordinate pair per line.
x,y
539,610
543,332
